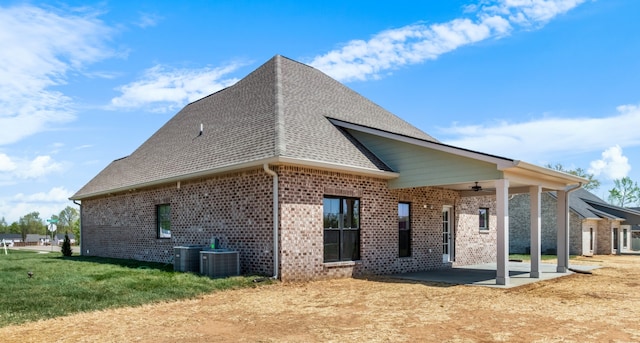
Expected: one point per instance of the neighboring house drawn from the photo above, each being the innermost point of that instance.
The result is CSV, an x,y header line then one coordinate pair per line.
x,y
596,227
59,238
10,238
33,238
307,179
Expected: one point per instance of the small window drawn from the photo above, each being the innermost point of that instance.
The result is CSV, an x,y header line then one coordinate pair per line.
x,y
404,229
483,216
164,220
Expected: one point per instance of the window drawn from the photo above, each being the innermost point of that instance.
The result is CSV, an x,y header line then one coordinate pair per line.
x,y
484,218
624,238
341,217
404,229
163,213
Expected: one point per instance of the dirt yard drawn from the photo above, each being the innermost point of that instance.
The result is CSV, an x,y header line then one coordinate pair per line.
x,y
603,307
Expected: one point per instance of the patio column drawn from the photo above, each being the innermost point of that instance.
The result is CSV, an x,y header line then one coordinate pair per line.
x,y
562,246
502,203
536,224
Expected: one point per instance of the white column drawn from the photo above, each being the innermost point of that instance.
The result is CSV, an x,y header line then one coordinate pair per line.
x,y
536,225
620,237
502,203
562,246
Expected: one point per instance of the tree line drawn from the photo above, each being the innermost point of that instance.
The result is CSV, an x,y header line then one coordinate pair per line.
x,y
31,223
625,193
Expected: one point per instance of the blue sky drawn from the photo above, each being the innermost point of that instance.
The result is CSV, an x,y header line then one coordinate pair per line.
x,y
84,83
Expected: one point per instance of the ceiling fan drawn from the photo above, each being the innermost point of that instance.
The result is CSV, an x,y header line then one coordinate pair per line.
x,y
476,188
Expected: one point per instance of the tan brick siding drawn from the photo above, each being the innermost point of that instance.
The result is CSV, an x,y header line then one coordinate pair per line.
x,y
473,245
237,209
520,226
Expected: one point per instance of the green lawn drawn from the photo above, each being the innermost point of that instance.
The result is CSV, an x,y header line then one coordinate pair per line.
x,y
62,286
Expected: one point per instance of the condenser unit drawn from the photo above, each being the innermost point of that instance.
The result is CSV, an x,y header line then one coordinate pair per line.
x,y
186,258
219,263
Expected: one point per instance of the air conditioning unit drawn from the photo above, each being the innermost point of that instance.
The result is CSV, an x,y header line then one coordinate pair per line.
x,y
219,263
187,258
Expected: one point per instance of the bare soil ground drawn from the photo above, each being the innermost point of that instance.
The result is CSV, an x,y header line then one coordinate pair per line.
x,y
603,307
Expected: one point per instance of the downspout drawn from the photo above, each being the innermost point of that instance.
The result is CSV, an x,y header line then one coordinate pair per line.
x,y
81,235
276,221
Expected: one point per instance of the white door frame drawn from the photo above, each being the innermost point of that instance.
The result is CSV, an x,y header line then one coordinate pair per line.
x,y
448,238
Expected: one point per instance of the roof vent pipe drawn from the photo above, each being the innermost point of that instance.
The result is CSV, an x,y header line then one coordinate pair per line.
x,y
276,220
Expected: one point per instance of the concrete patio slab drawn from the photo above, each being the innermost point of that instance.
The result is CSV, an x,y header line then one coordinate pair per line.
x,y
485,274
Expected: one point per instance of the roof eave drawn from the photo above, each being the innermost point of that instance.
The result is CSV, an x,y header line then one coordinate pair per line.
x,y
377,173
568,178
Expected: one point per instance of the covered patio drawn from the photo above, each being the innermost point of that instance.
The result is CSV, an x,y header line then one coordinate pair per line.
x,y
485,274
422,163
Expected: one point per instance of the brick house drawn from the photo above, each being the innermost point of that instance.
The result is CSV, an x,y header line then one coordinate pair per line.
x,y
596,227
307,179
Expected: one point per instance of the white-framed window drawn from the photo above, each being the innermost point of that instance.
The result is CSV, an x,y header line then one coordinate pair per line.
x,y
404,229
163,220
483,217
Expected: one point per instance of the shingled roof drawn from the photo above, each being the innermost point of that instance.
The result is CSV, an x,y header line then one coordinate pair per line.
x,y
280,110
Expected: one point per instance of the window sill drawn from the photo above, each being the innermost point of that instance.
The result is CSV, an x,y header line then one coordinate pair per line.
x,y
484,231
341,264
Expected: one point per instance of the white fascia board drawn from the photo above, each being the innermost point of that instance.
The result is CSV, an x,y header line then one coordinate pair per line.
x,y
571,179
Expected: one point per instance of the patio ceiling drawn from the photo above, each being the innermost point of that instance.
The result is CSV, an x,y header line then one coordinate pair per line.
x,y
426,163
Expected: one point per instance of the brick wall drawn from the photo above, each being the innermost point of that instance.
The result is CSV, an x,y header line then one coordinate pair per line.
x,y
605,237
302,191
237,209
520,222
472,244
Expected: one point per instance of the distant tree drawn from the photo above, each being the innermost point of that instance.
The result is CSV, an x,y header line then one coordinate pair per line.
x,y
3,226
14,227
591,185
625,192
30,223
67,219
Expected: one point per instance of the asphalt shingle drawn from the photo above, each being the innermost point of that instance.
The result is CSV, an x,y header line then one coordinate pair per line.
x,y
279,110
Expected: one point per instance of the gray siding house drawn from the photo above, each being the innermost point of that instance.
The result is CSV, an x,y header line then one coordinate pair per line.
x,y
307,179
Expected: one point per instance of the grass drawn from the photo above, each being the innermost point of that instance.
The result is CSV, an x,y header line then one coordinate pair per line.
x,y
67,285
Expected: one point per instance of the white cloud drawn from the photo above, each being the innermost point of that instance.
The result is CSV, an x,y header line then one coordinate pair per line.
x,y
56,194
165,89
6,164
148,20
46,203
531,12
613,165
544,138
40,166
39,49
362,60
